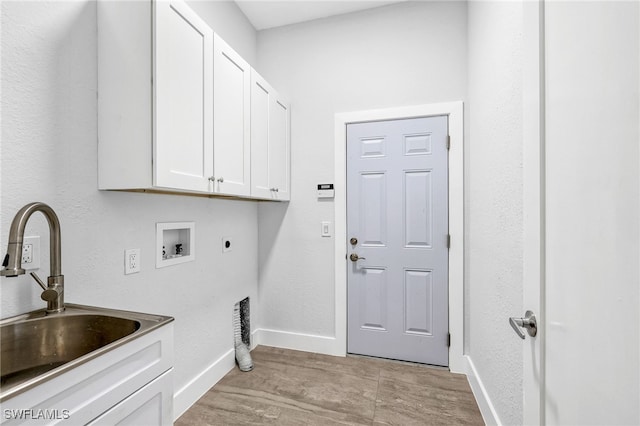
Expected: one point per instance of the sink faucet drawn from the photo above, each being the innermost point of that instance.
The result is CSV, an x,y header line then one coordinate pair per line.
x,y
53,293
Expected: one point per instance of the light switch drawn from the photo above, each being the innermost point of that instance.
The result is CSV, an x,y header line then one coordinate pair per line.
x,y
325,229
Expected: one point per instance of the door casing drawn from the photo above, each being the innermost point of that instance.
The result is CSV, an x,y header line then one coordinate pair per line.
x,y
454,111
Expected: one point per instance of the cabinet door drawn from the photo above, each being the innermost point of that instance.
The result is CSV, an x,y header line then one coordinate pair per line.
x,y
269,142
183,96
150,405
231,112
279,148
261,93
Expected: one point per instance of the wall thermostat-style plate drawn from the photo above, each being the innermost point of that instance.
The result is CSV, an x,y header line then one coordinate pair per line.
x,y
325,190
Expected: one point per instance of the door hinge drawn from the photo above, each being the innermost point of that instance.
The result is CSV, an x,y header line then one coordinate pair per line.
x,y
448,340
448,142
448,240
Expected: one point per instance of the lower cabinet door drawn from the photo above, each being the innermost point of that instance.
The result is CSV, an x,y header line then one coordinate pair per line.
x,y
150,405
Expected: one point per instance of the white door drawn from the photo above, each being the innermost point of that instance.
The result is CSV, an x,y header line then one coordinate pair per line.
x,y
589,199
232,120
592,192
269,141
397,223
183,91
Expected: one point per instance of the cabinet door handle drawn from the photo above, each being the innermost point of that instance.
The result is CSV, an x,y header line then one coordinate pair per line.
x,y
212,178
274,189
220,180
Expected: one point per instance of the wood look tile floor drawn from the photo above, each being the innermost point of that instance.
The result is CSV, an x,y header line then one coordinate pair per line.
x,y
299,388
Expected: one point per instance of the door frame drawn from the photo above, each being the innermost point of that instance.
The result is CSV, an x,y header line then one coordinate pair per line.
x,y
454,111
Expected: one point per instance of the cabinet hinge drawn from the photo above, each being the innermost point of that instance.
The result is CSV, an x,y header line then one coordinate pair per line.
x,y
448,340
448,142
448,240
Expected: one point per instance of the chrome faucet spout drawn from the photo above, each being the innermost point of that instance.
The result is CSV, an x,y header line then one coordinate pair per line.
x,y
54,293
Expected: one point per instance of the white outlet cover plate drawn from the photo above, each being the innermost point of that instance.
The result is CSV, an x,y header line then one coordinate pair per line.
x,y
35,253
131,261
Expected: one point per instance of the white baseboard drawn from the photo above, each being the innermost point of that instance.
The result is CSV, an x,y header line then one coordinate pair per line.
x,y
487,409
199,385
299,342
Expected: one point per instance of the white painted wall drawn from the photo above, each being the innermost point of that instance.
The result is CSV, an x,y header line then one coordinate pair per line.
x,y
593,205
49,153
406,54
228,21
494,210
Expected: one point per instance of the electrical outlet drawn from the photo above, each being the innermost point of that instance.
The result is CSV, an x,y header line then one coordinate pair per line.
x,y
27,253
31,253
131,261
226,244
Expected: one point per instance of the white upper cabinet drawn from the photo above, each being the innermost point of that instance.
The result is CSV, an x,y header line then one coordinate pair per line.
x,y
232,125
175,107
155,97
183,95
270,150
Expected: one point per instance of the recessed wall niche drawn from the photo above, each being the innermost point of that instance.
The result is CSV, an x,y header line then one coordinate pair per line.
x,y
175,243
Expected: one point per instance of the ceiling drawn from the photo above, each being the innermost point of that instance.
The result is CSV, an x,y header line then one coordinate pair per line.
x,y
265,14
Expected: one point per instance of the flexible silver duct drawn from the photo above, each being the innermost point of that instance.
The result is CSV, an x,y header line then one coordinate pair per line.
x,y
243,356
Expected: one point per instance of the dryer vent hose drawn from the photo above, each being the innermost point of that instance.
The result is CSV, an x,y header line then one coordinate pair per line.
x,y
243,355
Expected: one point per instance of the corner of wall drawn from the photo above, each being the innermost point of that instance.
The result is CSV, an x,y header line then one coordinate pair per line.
x,y
488,411
186,396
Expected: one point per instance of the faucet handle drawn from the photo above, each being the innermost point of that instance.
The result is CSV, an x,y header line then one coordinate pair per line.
x,y
38,280
50,294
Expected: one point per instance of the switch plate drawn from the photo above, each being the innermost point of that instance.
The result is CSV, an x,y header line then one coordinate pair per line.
x,y
325,229
31,253
131,261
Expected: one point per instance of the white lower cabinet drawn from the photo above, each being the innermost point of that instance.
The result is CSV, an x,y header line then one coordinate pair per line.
x,y
130,384
151,405
270,142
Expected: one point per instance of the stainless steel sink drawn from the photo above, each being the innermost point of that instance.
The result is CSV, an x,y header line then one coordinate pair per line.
x,y
37,346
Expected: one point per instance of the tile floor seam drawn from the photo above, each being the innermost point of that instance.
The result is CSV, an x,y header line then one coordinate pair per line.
x,y
375,400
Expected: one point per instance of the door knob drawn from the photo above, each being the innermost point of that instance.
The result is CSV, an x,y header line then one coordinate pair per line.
x,y
353,241
354,257
528,322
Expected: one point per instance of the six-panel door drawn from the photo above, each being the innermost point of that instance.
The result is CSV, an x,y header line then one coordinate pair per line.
x,y
397,223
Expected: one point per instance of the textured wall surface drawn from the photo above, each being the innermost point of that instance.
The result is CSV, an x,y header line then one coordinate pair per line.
x,y
49,154
494,210
406,54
